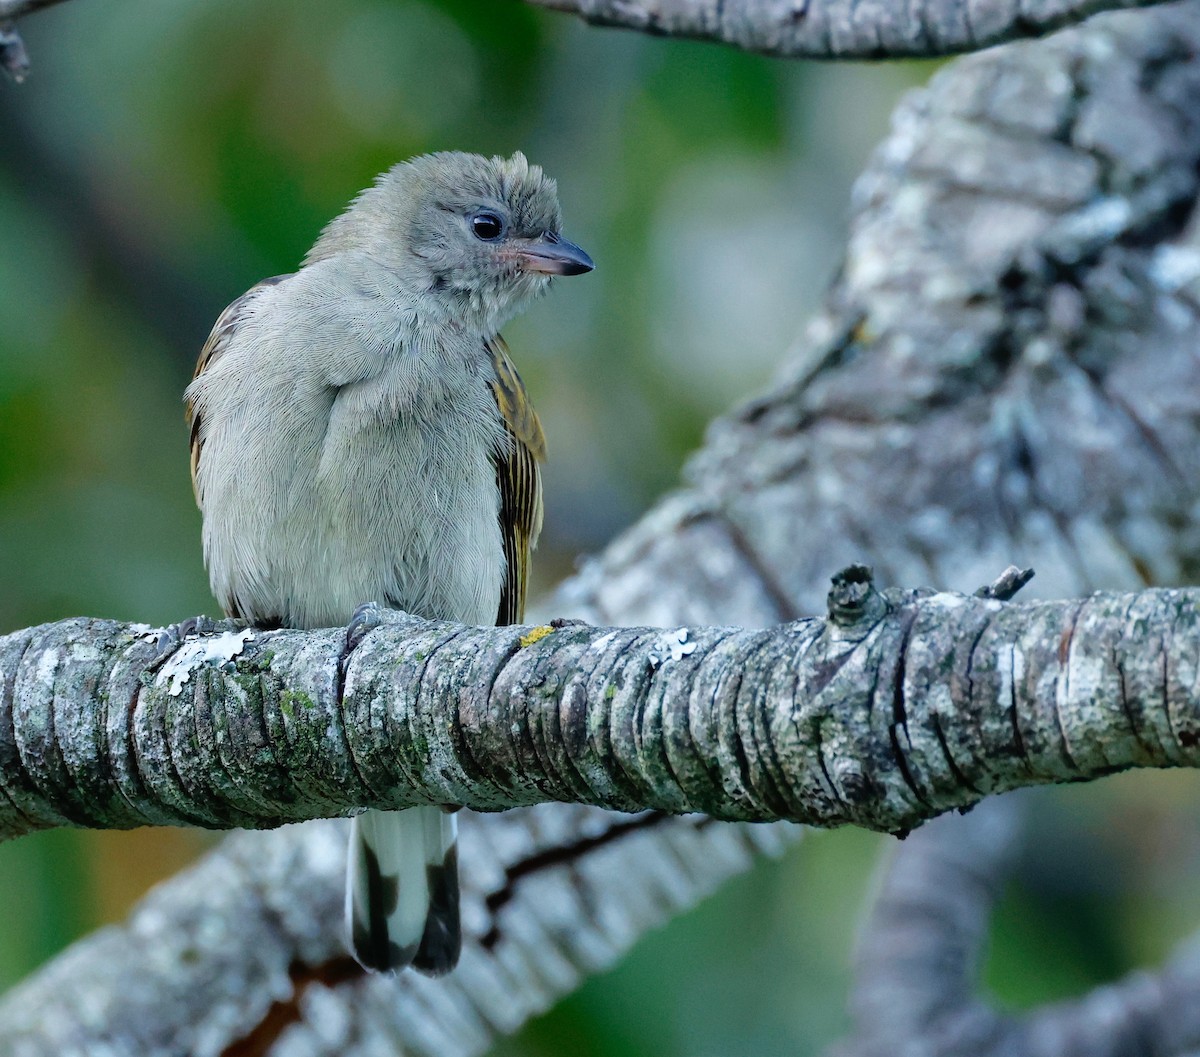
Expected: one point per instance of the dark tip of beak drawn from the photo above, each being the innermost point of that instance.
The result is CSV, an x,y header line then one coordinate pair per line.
x,y
553,255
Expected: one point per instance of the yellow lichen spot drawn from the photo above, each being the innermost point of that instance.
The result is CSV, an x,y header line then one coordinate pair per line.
x,y
535,635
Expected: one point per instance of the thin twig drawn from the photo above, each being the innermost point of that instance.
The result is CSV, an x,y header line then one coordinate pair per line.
x,y
14,56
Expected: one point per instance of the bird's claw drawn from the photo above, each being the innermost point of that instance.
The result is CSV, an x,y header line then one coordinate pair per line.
x,y
367,617
171,638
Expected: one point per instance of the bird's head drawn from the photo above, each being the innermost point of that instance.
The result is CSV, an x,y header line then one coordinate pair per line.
x,y
476,237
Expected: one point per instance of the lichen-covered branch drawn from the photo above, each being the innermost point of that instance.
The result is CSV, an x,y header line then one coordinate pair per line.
x,y
843,29
825,29
891,712
1003,371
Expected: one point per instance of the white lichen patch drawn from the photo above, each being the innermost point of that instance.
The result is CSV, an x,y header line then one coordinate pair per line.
x,y
672,646
211,649
601,644
47,666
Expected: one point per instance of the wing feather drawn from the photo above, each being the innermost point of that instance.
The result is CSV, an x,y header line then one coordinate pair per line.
x,y
519,479
219,339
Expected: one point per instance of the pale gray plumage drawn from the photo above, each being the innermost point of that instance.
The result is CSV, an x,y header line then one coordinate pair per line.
x,y
359,434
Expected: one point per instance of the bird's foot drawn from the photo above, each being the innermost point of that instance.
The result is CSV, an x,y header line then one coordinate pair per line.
x,y
171,638
368,617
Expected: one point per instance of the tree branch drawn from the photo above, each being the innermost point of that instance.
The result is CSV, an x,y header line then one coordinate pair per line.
x,y
918,986
10,9
921,952
1003,370
821,29
843,29
14,59
889,713
234,958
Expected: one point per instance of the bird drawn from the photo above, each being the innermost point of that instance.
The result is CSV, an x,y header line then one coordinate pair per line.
x,y
359,434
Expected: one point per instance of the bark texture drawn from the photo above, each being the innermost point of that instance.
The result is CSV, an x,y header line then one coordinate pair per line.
x,y
892,711
1004,371
824,29
843,29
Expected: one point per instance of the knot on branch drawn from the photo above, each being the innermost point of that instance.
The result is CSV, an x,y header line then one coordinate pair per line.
x,y
852,597
1006,585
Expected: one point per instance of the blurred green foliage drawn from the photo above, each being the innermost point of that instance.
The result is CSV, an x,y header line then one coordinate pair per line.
x,y
166,154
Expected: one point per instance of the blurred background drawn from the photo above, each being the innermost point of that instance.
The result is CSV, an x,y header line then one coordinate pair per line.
x,y
167,154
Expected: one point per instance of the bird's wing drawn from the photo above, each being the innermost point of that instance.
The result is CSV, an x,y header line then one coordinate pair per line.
x,y
519,479
218,341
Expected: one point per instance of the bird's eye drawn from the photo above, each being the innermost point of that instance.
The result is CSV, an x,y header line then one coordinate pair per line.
x,y
487,226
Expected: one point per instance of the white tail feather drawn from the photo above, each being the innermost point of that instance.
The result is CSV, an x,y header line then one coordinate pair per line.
x,y
387,887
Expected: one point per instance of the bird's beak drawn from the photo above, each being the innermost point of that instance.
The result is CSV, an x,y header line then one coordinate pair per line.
x,y
551,254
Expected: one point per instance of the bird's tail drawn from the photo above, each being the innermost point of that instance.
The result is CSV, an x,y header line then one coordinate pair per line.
x,y
402,890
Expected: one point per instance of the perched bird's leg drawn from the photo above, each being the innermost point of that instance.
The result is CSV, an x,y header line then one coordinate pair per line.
x,y
367,617
171,638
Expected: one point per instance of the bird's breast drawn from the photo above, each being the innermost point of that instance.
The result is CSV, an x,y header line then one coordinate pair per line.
x,y
380,490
